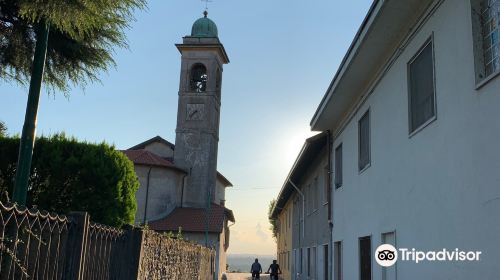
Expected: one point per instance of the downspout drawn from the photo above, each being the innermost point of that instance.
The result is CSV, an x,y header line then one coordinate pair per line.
x,y
329,143
147,195
207,216
303,205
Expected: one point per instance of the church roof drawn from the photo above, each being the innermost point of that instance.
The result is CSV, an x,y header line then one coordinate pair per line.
x,y
139,156
143,157
204,27
152,140
194,219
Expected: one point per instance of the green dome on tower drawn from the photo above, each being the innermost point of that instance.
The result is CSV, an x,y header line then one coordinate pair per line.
x,y
204,27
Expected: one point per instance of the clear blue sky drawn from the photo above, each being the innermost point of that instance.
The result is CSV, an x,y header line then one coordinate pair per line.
x,y
283,56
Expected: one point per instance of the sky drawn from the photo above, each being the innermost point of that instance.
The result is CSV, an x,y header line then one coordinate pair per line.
x,y
283,55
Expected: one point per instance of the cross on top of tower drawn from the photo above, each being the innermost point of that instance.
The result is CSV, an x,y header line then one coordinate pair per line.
x,y
206,4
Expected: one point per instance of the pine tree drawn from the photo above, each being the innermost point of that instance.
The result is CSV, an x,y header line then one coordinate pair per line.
x,y
60,42
82,37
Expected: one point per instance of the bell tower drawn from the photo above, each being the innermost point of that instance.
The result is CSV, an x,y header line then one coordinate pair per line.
x,y
198,114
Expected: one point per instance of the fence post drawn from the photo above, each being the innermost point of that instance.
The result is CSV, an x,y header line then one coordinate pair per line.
x,y
134,250
77,239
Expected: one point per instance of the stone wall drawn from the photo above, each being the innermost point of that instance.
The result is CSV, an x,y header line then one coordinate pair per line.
x,y
39,245
167,258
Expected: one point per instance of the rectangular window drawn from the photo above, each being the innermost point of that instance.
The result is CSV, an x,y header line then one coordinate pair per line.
x,y
326,185
288,260
490,17
486,32
389,273
326,261
295,262
309,199
422,103
315,193
337,266
309,262
365,258
301,261
314,267
364,141
338,166
289,218
285,218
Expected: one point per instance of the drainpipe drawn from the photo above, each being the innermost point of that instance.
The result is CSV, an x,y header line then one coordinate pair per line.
x,y
207,216
303,205
147,195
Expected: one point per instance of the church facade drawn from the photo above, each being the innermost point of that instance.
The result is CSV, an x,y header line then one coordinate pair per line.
x,y
180,188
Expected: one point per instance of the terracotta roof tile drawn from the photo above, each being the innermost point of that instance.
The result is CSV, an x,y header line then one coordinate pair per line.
x,y
143,157
193,219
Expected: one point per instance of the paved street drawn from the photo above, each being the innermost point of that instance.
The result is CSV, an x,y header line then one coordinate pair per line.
x,y
244,276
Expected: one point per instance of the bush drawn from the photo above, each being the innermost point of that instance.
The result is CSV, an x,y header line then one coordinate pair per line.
x,y
67,175
272,221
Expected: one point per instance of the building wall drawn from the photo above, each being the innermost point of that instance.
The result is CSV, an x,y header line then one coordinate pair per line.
x,y
160,149
316,231
440,187
222,256
165,191
220,192
284,240
216,241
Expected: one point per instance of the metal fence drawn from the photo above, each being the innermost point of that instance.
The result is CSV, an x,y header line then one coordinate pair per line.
x,y
38,245
103,242
32,243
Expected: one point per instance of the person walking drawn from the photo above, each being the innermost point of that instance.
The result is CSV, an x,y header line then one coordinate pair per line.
x,y
256,270
275,269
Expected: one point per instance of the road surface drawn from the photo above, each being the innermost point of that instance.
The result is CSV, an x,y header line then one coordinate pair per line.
x,y
244,276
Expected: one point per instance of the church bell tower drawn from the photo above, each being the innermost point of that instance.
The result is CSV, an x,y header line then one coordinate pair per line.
x,y
198,114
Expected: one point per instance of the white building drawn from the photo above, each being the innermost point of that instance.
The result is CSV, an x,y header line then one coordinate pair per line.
x,y
303,216
414,113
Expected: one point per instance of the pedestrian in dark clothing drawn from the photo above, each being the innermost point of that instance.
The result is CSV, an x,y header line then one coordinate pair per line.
x,y
274,268
256,269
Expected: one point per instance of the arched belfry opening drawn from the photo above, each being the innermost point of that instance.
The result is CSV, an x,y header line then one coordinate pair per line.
x,y
199,77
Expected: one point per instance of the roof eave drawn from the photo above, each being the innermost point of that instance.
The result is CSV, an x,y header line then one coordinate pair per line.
x,y
173,167
377,42
309,141
219,47
358,38
157,138
224,180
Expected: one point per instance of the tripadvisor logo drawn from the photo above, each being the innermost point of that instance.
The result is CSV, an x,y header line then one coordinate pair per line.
x,y
386,255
